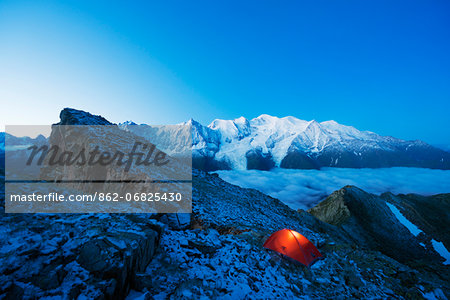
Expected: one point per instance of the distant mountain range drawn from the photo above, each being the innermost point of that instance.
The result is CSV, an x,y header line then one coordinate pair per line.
x,y
19,141
266,142
16,143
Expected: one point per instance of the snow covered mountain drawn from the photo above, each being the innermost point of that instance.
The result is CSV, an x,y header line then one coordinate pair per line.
x,y
266,141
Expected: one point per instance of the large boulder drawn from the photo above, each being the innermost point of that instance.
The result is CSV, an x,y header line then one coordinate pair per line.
x,y
75,255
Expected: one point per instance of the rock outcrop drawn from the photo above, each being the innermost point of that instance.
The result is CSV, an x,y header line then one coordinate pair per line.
x,y
70,116
369,221
93,256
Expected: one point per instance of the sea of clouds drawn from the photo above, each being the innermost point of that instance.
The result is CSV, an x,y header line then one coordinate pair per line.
x,y
305,188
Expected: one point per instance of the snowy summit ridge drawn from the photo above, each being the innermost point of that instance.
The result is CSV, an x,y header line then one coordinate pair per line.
x,y
267,141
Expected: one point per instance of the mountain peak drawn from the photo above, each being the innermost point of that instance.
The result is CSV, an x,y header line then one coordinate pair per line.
x,y
71,116
241,120
128,123
265,117
330,122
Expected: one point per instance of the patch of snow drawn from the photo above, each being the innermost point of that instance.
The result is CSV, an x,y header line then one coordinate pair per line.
x,y
402,219
437,294
440,248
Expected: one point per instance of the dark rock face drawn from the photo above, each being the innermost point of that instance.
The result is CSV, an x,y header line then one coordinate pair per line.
x,y
119,256
256,160
416,154
70,116
298,160
209,164
367,219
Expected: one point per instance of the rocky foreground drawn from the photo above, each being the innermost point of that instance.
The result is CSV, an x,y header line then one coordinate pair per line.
x,y
369,250
217,250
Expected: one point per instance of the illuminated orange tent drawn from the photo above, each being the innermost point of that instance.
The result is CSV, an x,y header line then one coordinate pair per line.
x,y
294,245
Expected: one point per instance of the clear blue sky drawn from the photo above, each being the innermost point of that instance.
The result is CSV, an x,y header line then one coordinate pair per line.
x,y
382,66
